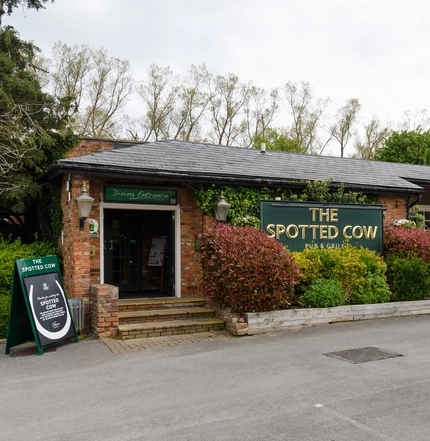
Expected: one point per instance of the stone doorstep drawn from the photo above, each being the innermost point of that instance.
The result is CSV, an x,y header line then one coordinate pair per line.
x,y
160,303
172,324
173,327
165,314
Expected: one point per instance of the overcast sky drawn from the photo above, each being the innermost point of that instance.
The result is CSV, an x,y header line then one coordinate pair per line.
x,y
373,50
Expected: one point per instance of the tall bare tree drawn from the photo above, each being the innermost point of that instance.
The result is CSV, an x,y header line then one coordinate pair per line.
x,y
343,129
306,111
417,121
374,136
98,84
70,71
260,112
192,100
228,101
158,93
109,87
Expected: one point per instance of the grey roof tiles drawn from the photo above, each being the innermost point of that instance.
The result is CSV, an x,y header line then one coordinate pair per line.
x,y
214,163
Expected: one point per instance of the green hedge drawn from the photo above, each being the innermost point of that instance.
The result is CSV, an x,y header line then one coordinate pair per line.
x,y
409,278
360,272
323,294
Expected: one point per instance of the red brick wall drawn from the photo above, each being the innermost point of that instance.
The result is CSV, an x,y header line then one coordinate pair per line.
x,y
87,146
75,244
396,208
81,269
193,223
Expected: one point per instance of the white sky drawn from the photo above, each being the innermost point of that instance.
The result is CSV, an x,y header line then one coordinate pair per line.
x,y
373,50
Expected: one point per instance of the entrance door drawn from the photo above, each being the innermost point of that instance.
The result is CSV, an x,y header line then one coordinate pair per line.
x,y
128,236
123,250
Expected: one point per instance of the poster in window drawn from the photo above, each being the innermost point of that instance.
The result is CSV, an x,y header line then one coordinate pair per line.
x,y
158,249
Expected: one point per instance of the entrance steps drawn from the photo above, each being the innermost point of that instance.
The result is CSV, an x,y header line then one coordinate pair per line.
x,y
142,318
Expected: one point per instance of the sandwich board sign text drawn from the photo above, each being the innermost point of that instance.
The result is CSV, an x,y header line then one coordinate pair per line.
x,y
39,308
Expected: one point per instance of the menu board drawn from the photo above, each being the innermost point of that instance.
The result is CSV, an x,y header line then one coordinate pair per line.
x,y
158,250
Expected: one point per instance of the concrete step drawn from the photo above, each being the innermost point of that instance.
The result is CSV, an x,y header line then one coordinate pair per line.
x,y
164,314
172,327
159,303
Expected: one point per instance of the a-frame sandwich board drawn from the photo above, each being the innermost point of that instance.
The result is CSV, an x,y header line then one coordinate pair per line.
x,y
39,310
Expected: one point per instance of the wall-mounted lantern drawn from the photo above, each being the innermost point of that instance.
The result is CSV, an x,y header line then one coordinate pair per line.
x,y
221,209
84,203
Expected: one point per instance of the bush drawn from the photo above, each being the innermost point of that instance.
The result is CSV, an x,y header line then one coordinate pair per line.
x,y
4,315
245,270
323,294
408,278
407,242
374,290
349,265
9,252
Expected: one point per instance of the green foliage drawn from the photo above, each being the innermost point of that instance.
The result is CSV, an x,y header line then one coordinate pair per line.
x,y
408,278
245,201
33,130
323,293
375,289
351,266
49,214
7,6
406,147
276,140
4,315
245,270
416,217
321,191
9,252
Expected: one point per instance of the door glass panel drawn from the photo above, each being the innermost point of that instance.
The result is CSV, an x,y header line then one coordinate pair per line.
x,y
128,236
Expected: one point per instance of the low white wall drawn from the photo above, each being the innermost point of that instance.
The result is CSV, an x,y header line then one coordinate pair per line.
x,y
262,322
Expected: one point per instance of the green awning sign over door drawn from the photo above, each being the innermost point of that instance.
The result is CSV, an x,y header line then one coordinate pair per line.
x,y
140,195
301,225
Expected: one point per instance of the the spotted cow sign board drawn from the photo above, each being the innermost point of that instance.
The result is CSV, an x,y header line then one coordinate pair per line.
x,y
39,307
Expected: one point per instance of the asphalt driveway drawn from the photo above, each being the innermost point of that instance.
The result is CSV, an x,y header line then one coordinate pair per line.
x,y
293,385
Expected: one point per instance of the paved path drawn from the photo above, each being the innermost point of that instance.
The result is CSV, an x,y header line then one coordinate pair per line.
x,y
140,344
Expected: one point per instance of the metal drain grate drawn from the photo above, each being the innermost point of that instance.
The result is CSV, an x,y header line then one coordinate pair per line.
x,y
362,355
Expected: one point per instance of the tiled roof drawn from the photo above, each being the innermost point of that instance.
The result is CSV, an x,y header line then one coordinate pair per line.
x,y
214,163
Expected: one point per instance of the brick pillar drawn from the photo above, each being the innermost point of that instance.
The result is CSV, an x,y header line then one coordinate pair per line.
x,y
234,323
104,310
75,244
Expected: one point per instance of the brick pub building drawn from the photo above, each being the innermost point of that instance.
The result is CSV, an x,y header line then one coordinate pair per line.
x,y
139,241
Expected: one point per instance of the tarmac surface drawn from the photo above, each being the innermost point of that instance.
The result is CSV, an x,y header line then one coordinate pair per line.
x,y
354,381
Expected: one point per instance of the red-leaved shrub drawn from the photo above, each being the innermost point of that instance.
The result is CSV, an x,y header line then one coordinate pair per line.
x,y
407,242
245,270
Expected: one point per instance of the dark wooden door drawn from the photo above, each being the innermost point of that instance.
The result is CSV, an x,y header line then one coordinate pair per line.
x,y
123,249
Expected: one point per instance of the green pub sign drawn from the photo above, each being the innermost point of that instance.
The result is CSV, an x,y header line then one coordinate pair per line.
x,y
140,195
300,225
39,309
